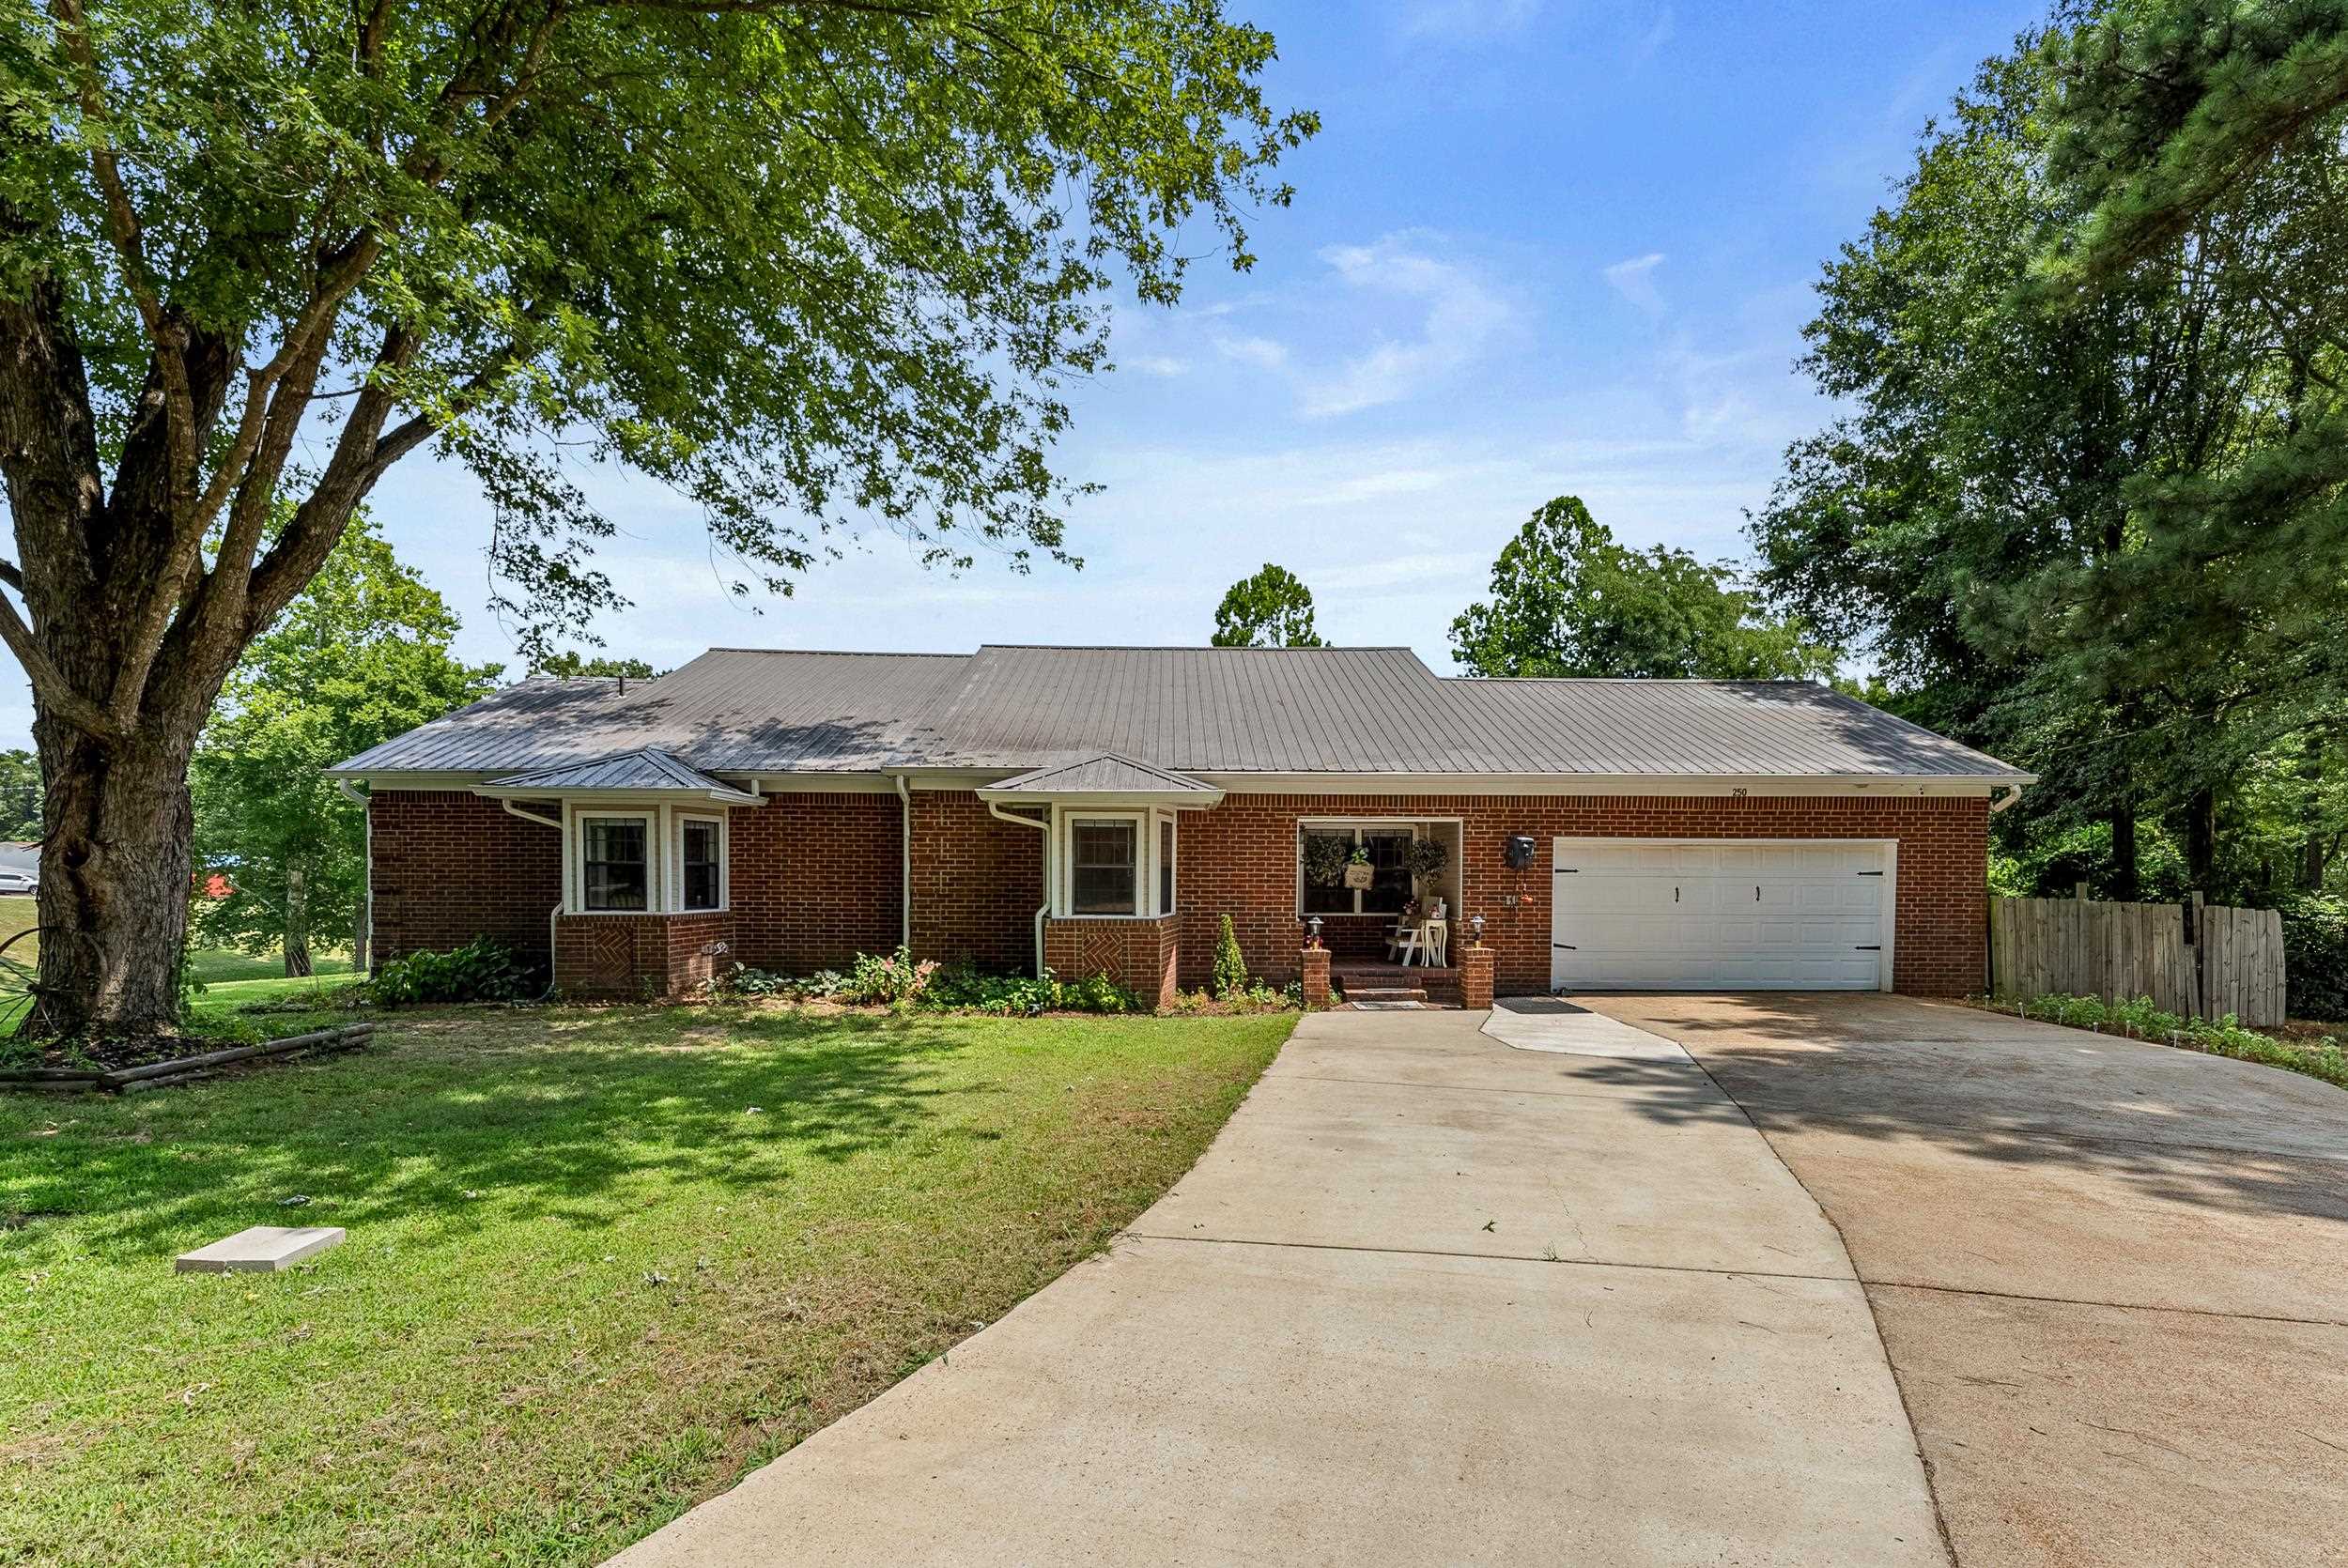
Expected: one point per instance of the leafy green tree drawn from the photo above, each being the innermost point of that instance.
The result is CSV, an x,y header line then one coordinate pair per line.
x,y
1567,600
20,796
1989,520
1270,609
570,665
360,656
809,263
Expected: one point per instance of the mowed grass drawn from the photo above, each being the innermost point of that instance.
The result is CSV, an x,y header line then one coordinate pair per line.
x,y
600,1263
214,966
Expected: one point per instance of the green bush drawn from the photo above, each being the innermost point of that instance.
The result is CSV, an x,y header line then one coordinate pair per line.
x,y
964,987
483,970
744,980
889,980
2315,955
1231,964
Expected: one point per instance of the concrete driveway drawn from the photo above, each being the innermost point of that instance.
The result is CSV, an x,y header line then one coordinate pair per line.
x,y
1430,1298
2112,1277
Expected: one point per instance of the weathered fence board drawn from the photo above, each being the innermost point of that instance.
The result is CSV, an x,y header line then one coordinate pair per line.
x,y
2122,951
2242,965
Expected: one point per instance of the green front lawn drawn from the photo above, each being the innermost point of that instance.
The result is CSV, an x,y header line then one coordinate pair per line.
x,y
600,1263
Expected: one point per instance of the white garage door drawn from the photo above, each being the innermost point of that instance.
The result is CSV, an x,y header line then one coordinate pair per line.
x,y
1658,915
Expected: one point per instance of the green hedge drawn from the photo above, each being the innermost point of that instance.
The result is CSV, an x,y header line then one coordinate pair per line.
x,y
2315,954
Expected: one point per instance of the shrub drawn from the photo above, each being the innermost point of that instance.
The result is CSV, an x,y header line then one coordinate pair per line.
x,y
890,979
1231,964
483,970
2315,955
823,984
743,981
964,987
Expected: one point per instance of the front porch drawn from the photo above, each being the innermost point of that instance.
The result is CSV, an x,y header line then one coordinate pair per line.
x,y
1377,980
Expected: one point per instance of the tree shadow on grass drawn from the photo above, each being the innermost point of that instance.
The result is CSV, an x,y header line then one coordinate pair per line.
x,y
541,1116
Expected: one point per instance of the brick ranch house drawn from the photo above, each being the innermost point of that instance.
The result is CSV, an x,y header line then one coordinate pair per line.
x,y
1100,809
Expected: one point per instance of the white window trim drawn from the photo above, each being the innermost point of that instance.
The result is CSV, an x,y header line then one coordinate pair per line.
x,y
1061,848
1418,827
1167,819
575,818
725,862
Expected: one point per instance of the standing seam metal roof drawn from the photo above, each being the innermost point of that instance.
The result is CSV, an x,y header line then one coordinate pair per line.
x,y
1190,710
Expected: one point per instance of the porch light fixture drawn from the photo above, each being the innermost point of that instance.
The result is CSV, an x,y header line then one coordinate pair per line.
x,y
1475,923
1313,929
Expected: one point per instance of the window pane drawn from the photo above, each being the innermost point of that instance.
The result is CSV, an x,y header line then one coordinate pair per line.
x,y
1391,889
614,868
1165,868
1102,863
701,865
1325,849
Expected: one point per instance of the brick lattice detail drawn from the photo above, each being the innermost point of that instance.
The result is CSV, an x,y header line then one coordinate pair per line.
x,y
1141,955
606,957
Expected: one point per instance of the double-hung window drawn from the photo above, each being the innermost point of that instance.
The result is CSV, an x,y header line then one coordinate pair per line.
x,y
1103,867
616,862
699,857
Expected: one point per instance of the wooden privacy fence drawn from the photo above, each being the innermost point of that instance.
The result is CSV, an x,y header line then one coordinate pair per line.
x,y
2118,952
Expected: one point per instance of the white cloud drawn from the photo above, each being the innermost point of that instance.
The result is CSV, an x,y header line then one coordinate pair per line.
x,y
1262,352
1461,317
1465,18
1634,280
1155,364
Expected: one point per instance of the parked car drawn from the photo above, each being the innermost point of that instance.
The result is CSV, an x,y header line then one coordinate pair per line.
x,y
12,880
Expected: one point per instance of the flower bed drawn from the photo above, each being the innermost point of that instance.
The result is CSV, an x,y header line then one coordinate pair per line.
x,y
127,1067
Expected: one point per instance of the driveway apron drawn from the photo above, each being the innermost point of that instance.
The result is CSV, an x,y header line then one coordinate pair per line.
x,y
2109,1274
1435,1294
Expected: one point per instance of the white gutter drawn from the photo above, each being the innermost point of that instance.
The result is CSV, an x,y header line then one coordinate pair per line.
x,y
2012,793
366,829
904,867
994,809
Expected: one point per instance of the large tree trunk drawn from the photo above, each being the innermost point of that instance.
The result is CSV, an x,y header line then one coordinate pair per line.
x,y
114,870
2127,884
296,925
2200,838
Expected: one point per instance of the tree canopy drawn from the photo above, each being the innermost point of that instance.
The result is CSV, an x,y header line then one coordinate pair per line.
x,y
1268,609
570,665
2085,509
360,656
813,265
1565,599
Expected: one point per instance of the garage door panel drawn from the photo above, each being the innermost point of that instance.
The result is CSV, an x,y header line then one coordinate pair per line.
x,y
1732,914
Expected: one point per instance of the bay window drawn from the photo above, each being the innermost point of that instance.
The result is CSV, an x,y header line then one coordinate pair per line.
x,y
616,862
1104,865
701,860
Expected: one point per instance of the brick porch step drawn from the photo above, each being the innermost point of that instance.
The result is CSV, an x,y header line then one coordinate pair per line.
x,y
1384,994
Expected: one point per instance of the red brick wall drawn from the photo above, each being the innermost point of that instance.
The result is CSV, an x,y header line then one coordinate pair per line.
x,y
627,956
1239,859
816,879
1143,954
976,883
450,866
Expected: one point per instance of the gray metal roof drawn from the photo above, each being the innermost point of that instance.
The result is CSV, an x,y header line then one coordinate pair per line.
x,y
1105,775
1191,710
646,770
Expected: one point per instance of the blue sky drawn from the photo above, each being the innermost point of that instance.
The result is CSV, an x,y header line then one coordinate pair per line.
x,y
1539,248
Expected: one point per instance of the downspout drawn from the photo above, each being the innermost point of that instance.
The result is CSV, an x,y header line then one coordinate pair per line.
x,y
2012,793
904,864
553,915
367,828
994,809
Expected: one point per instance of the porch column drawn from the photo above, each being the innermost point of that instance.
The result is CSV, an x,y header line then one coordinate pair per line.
x,y
1314,970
